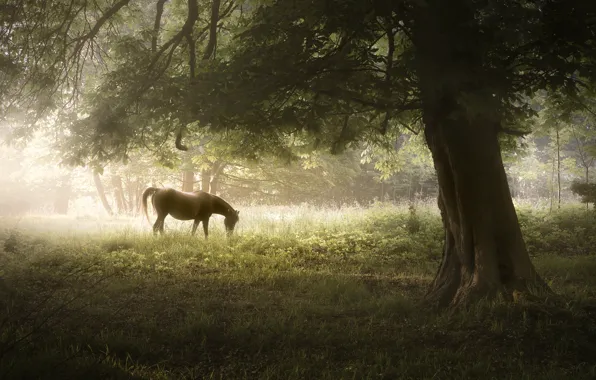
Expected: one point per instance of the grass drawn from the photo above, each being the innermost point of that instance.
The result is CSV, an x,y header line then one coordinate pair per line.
x,y
297,293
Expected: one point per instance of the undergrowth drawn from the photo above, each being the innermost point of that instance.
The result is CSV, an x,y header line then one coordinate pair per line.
x,y
296,293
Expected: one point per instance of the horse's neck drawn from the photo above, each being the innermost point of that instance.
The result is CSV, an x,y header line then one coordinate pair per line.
x,y
221,207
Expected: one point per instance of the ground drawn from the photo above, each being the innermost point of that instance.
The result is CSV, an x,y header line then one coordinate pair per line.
x,y
297,293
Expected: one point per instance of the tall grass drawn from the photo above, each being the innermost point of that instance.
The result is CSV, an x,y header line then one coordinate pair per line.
x,y
298,292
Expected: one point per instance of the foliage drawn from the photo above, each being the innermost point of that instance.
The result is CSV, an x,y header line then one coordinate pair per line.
x,y
586,190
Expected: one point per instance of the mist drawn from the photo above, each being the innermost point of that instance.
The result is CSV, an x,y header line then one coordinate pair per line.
x,y
208,189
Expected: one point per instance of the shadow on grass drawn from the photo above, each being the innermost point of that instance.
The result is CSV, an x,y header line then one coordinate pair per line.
x,y
280,325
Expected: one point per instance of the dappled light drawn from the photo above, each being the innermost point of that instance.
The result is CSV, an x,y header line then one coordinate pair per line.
x,y
220,189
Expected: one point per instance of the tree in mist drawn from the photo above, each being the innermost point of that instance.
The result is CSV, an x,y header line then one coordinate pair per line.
x,y
403,161
583,140
587,191
331,73
466,68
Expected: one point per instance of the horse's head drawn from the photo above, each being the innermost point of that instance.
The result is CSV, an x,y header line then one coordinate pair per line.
x,y
231,220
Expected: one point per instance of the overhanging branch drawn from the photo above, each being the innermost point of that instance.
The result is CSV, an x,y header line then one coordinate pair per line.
x,y
157,24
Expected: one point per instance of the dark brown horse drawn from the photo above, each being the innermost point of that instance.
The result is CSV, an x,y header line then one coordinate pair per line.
x,y
197,206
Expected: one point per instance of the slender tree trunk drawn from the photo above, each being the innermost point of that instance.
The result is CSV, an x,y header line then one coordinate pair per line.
x,y
188,180
139,196
205,180
63,193
119,194
558,170
217,170
552,185
102,193
588,181
131,187
188,172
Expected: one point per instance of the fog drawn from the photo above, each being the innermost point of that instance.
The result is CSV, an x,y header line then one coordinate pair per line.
x,y
35,181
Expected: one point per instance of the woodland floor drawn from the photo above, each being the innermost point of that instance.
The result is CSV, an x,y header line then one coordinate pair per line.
x,y
298,293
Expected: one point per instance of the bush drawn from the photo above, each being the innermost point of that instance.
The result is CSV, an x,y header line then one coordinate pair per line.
x,y
586,190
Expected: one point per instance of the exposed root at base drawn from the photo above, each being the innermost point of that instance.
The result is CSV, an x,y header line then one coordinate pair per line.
x,y
464,297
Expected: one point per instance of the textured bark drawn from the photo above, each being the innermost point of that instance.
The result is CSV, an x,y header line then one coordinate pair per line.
x,y
157,24
212,42
484,253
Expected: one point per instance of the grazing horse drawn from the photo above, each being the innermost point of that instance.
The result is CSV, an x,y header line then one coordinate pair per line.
x,y
197,206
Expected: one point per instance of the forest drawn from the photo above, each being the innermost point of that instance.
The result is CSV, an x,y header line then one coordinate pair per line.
x,y
412,185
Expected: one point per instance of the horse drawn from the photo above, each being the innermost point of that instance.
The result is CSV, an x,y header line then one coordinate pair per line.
x,y
197,206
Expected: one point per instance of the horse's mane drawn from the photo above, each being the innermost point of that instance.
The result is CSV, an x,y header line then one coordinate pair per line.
x,y
223,201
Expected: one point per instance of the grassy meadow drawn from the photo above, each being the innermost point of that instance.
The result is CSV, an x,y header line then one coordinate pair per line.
x,y
296,293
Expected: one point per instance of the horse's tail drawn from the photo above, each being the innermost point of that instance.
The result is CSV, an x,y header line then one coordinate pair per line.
x,y
148,192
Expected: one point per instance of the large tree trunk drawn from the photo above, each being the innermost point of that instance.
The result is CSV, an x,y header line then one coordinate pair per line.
x,y
102,193
484,252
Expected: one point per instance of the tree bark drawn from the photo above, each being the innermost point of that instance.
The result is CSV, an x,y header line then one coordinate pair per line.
x,y
588,181
205,180
558,169
188,180
119,194
218,168
552,185
484,252
102,193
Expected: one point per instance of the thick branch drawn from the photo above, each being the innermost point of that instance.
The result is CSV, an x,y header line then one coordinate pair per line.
x,y
389,64
227,10
210,49
514,132
156,26
96,28
192,56
179,145
377,104
193,15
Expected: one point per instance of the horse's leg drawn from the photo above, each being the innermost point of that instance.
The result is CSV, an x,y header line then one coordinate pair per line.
x,y
206,227
162,224
194,226
159,224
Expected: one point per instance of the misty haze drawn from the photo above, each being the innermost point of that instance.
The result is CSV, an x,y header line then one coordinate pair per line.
x,y
297,190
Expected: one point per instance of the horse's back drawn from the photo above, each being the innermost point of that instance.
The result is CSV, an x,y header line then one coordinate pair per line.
x,y
181,205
